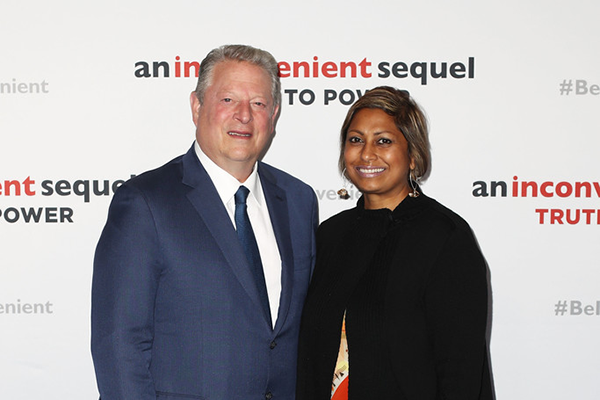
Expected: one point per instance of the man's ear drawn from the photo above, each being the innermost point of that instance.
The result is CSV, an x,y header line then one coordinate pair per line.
x,y
274,118
195,104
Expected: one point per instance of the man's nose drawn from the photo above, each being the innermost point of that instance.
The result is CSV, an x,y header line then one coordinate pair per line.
x,y
243,113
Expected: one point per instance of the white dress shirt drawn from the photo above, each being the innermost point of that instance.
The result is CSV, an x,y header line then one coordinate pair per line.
x,y
258,213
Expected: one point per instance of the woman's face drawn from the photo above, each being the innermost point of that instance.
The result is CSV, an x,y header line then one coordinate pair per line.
x,y
377,160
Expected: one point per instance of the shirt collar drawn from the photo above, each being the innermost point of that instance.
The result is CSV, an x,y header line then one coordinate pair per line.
x,y
225,183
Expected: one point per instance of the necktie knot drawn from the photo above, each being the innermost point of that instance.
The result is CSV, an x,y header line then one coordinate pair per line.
x,y
241,195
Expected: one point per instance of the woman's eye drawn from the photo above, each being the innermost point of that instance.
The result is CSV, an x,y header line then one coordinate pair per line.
x,y
354,139
385,141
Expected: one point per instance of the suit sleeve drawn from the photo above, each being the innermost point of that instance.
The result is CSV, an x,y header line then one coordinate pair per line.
x,y
315,226
456,307
125,280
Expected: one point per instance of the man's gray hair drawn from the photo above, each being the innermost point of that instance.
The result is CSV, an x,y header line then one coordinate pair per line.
x,y
237,52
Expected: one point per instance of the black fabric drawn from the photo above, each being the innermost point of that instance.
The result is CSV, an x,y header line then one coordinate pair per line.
x,y
413,284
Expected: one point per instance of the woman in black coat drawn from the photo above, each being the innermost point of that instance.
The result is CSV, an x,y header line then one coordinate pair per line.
x,y
397,307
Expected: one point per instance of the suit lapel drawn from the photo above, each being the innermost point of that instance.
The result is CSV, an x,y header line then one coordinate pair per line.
x,y
279,214
205,199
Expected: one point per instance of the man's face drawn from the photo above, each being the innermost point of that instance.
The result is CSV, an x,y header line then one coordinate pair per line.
x,y
237,118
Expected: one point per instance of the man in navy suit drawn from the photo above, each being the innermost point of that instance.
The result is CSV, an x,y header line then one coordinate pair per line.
x,y
177,312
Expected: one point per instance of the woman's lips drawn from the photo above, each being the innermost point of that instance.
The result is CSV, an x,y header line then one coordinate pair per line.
x,y
369,171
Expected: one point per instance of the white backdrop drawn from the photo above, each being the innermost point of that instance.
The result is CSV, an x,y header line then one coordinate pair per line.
x,y
520,98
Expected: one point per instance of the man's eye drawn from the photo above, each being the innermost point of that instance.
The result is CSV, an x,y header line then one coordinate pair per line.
x,y
227,100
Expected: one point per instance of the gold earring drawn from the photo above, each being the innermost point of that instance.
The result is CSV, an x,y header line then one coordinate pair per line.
x,y
343,192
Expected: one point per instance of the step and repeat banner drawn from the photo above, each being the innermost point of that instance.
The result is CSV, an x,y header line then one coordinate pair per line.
x,y
93,93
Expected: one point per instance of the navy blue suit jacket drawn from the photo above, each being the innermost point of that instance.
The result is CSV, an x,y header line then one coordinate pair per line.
x,y
175,311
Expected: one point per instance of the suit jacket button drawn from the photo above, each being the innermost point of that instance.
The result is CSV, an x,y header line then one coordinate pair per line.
x,y
273,345
269,396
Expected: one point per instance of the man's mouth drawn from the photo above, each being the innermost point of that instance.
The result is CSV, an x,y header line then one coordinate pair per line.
x,y
239,134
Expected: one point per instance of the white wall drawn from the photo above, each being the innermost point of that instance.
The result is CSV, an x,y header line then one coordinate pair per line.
x,y
87,117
